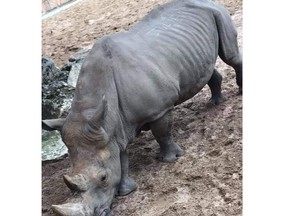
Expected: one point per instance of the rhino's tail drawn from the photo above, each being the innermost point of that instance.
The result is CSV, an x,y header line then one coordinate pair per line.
x,y
228,45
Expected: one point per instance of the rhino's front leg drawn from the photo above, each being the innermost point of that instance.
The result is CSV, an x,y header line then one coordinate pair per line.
x,y
127,184
161,129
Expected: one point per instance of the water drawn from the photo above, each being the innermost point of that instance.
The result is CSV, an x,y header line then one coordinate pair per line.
x,y
52,146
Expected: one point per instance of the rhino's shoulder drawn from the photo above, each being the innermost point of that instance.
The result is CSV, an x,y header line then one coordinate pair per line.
x,y
104,47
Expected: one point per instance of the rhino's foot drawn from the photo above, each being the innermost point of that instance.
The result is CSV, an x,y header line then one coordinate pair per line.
x,y
216,101
127,185
170,154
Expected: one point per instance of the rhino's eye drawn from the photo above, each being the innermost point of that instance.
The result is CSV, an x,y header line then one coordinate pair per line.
x,y
103,178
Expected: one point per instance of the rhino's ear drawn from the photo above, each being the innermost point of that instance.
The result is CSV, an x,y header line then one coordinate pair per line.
x,y
53,124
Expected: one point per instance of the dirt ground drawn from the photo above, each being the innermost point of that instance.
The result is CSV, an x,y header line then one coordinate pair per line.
x,y
207,180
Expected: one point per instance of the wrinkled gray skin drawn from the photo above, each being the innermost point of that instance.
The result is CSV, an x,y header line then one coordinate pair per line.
x,y
131,81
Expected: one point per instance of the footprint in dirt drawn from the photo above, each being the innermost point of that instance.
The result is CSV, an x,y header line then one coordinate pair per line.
x,y
167,201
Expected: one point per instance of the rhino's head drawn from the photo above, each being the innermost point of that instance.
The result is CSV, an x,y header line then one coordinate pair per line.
x,y
96,163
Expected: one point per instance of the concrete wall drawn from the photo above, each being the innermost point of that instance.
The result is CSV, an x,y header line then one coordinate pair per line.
x,y
48,5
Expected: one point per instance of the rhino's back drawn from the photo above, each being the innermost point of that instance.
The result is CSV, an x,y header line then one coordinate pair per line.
x,y
165,59
181,40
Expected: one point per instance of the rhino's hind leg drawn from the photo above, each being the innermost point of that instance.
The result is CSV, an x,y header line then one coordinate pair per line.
x,y
228,45
236,63
127,184
238,69
215,87
230,54
161,129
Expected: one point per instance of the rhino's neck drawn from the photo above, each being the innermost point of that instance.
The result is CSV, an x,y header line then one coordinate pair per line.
x,y
95,81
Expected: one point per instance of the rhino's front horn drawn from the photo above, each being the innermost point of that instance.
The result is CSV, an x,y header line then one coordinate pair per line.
x,y
77,182
69,209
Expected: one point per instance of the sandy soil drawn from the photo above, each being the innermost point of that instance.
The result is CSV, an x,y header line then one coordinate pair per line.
x,y
207,180
81,25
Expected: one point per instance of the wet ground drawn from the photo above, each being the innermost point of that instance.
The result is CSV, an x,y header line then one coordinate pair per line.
x,y
207,180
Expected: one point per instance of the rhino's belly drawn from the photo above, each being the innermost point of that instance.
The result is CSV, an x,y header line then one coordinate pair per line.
x,y
191,82
151,95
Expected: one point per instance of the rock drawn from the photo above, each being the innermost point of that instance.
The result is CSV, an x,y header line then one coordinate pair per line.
x,y
74,73
80,55
74,64
56,101
235,176
49,110
53,147
57,93
50,72
55,90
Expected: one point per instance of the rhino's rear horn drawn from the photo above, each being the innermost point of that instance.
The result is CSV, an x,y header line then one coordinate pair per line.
x,y
95,115
77,182
92,129
69,209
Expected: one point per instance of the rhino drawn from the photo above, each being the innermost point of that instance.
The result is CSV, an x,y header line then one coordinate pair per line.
x,y
131,81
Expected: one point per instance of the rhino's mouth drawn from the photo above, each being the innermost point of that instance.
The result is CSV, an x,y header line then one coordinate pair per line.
x,y
105,212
